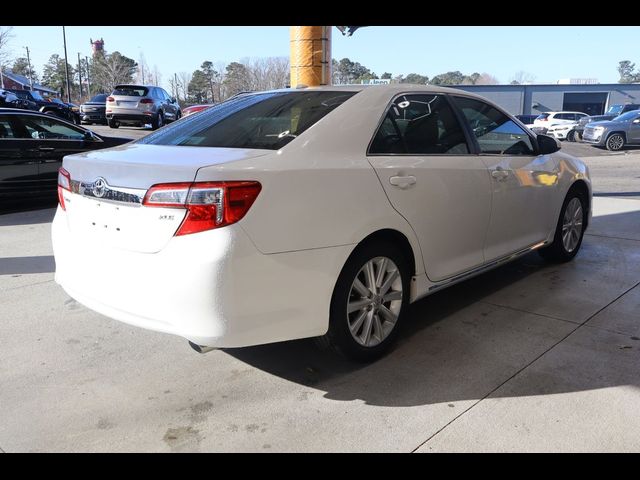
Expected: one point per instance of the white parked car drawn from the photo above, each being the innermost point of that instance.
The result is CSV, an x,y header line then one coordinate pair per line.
x,y
311,212
549,119
563,131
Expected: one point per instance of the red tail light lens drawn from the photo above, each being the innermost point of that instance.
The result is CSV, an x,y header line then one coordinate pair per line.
x,y
64,183
209,204
111,99
146,100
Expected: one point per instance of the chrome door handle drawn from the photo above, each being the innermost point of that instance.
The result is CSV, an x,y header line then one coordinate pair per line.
x,y
402,182
500,173
46,149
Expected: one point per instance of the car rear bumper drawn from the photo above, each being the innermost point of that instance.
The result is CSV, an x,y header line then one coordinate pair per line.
x,y
213,288
138,117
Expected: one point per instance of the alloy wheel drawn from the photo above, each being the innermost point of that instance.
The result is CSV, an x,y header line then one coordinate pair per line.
x,y
374,302
572,225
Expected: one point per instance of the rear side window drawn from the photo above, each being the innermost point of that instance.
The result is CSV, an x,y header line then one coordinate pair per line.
x,y
130,91
6,129
419,125
267,120
496,132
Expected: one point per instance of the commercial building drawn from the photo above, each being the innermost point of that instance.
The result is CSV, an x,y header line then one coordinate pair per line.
x,y
593,99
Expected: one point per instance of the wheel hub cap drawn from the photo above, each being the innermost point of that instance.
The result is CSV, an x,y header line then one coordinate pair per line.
x,y
572,225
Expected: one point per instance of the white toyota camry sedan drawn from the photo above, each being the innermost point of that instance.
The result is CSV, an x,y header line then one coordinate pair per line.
x,y
316,212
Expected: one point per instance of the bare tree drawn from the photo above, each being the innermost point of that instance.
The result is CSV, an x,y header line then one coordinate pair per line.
x,y
521,77
487,79
5,56
267,73
143,75
156,76
184,78
113,69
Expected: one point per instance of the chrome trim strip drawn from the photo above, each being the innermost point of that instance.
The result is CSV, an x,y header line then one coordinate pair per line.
x,y
486,267
130,196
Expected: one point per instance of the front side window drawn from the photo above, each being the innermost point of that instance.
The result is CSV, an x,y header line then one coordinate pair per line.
x,y
419,125
496,132
50,129
266,120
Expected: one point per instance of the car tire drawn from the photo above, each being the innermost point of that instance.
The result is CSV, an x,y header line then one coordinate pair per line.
x,y
615,142
571,136
369,330
157,122
178,115
113,123
569,229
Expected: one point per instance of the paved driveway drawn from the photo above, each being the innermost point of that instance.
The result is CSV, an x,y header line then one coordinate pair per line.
x,y
529,357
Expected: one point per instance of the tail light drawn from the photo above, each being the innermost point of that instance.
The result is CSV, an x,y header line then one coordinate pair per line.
x,y
111,99
64,183
209,204
146,100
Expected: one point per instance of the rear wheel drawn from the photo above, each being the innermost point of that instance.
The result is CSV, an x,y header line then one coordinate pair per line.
x,y
615,142
113,123
571,136
368,302
157,122
569,230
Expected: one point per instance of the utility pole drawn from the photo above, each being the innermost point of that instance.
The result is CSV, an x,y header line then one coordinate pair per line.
x,y
86,61
80,75
30,72
66,64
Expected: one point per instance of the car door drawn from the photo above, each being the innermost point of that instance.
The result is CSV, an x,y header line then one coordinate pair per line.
x,y
171,108
18,170
50,139
523,183
633,131
423,160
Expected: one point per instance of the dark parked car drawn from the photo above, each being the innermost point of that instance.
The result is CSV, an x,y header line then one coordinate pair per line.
x,y
38,102
75,109
93,110
32,145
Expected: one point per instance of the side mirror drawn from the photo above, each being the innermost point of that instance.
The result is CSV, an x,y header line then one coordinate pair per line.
x,y
89,136
547,144
173,100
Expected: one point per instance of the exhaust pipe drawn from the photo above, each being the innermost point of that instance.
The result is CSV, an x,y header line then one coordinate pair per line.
x,y
201,348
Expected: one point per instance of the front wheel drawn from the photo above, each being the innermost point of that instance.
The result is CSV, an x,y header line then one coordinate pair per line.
x,y
569,230
571,136
615,142
369,301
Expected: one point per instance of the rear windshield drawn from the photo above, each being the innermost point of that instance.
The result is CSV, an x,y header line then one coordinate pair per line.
x,y
99,98
542,116
267,120
130,91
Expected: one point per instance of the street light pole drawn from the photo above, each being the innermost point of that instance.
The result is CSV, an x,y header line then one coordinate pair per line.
x,y
86,62
66,64
30,72
80,75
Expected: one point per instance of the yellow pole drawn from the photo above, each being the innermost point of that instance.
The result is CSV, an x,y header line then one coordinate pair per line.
x,y
310,56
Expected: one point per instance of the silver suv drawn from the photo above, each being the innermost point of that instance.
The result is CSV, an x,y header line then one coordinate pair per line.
x,y
140,105
614,134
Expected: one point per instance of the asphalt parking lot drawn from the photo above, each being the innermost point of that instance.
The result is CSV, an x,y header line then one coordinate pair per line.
x,y
529,357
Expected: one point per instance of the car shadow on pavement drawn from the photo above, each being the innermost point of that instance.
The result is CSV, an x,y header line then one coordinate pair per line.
x,y
24,265
27,213
458,345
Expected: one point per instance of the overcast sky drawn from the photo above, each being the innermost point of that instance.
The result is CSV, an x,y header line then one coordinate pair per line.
x,y
549,53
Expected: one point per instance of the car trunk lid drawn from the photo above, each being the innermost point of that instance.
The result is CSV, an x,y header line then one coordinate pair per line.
x,y
108,186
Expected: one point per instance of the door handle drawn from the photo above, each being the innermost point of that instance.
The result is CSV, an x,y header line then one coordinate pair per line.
x,y
402,182
46,149
500,173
